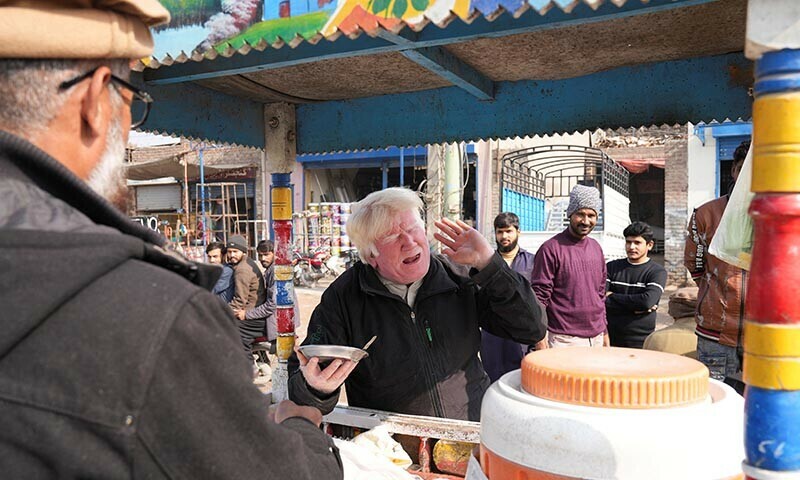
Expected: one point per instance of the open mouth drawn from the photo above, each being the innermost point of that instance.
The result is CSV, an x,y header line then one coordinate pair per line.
x,y
414,259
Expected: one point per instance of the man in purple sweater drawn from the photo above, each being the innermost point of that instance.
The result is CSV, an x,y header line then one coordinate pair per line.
x,y
569,275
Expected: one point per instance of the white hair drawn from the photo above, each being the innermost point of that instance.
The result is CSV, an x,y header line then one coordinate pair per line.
x,y
374,216
29,89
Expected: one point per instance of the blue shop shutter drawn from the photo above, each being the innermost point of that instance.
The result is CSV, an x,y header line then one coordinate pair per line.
x,y
727,145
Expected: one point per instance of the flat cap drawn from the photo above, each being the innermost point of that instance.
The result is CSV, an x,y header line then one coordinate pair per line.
x,y
78,28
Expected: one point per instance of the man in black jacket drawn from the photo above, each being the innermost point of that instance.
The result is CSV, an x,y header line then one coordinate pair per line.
x,y
115,359
426,316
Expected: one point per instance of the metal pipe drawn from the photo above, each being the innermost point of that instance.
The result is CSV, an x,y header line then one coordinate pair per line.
x,y
452,182
203,196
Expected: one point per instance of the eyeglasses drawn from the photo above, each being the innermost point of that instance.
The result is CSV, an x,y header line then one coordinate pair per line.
x,y
140,107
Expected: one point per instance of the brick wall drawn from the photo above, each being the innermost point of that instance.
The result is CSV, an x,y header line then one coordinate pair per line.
x,y
234,156
670,143
676,210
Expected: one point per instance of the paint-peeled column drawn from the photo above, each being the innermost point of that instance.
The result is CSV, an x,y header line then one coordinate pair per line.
x,y
772,326
281,195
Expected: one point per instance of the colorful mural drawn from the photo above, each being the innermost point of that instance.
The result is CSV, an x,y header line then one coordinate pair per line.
x,y
203,25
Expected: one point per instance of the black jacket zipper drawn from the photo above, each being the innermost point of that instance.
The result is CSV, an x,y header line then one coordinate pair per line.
x,y
426,338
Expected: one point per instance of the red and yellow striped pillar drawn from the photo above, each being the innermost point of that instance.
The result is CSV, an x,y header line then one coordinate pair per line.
x,y
281,195
772,328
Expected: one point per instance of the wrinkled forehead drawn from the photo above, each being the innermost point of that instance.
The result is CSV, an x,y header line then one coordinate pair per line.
x,y
399,222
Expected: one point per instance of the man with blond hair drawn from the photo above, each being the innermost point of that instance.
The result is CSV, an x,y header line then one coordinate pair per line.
x,y
115,359
427,318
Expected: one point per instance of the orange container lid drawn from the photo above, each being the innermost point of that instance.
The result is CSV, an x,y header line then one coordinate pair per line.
x,y
614,377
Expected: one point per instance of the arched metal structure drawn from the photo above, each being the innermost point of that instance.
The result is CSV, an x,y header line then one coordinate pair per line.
x,y
533,175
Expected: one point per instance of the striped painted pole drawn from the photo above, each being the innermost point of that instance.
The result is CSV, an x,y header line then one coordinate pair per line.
x,y
772,329
281,195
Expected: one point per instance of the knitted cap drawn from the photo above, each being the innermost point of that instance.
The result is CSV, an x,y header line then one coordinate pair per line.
x,y
238,242
582,196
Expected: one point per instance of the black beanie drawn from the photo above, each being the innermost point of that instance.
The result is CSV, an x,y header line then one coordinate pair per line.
x,y
238,242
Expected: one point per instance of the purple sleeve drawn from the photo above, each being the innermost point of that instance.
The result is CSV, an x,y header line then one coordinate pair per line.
x,y
544,270
602,280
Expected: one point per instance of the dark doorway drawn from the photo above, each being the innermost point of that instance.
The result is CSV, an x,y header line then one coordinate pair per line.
x,y
647,202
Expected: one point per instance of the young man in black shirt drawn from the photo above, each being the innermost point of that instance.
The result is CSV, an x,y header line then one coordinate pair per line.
x,y
634,287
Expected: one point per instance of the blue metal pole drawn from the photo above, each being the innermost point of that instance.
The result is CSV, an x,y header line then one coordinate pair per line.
x,y
402,176
203,196
384,176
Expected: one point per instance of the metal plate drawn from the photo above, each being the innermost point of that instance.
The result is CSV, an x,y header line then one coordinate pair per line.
x,y
329,352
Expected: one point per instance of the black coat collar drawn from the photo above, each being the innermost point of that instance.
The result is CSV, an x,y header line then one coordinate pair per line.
x,y
23,160
438,280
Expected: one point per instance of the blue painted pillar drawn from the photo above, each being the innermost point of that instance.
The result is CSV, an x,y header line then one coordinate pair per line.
x,y
384,176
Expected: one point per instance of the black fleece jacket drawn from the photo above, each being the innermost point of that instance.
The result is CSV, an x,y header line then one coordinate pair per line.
x,y
409,370
115,360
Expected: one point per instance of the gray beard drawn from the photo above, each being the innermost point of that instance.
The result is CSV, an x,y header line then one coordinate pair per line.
x,y
108,178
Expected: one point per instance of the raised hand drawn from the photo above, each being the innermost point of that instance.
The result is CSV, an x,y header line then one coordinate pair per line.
x,y
465,245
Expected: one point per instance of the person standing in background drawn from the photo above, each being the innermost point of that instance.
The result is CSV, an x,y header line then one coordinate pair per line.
x,y
634,288
569,277
261,320
500,355
720,301
215,252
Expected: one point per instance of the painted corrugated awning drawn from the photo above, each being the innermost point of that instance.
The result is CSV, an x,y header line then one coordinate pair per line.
x,y
487,69
241,25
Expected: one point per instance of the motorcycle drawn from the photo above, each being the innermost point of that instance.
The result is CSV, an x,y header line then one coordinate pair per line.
x,y
310,268
263,357
350,256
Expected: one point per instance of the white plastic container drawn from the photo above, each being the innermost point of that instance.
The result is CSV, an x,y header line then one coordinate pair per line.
x,y
664,427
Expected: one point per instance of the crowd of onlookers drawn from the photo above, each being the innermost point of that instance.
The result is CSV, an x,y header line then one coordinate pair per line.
x,y
593,303
585,301
248,288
